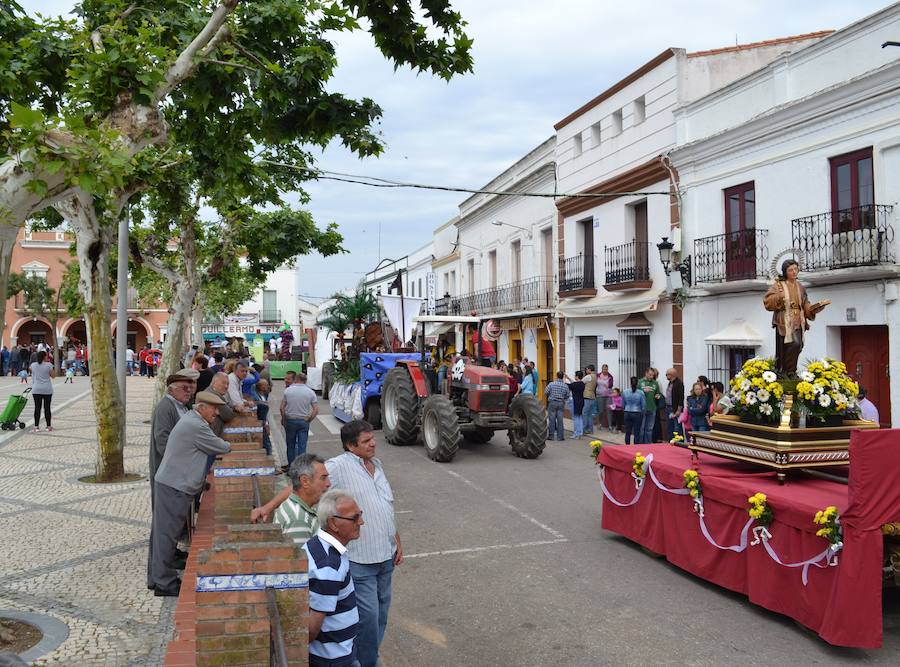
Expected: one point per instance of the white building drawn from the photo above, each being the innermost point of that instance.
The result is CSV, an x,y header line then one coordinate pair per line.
x,y
612,284
803,153
506,259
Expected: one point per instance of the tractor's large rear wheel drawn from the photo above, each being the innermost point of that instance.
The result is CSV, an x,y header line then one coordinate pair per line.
x,y
529,436
479,436
398,407
440,428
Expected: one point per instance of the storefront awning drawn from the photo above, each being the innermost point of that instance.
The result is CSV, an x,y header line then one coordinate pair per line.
x,y
736,334
610,305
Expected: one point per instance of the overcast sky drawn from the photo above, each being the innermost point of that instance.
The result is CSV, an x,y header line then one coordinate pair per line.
x,y
535,62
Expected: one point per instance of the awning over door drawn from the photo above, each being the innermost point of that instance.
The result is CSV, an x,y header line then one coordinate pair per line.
x,y
610,305
737,334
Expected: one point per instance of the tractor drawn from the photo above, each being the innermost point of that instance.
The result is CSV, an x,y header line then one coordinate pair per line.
x,y
472,402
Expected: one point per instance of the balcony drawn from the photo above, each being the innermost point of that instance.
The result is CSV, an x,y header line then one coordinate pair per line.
x,y
628,266
269,316
843,239
533,294
741,255
576,276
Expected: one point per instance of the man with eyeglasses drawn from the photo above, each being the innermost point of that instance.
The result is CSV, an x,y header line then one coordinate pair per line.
x,y
172,406
333,620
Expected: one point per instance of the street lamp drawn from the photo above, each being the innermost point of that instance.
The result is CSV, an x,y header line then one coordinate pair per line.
x,y
665,256
500,223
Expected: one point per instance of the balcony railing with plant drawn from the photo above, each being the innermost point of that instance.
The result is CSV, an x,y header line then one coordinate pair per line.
x,y
740,255
860,236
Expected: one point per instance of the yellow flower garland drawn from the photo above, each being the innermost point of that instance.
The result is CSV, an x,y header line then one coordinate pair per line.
x,y
759,509
829,519
637,467
692,482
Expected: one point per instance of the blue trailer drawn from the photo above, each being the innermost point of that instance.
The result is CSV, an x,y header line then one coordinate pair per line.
x,y
362,399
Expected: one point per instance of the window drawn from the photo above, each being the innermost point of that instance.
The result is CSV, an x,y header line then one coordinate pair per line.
x,y
852,191
577,144
726,361
617,122
420,288
470,265
640,111
516,261
492,268
595,135
270,306
634,354
740,232
587,346
547,250
452,288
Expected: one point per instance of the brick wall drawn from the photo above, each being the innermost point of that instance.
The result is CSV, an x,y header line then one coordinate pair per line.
x,y
232,627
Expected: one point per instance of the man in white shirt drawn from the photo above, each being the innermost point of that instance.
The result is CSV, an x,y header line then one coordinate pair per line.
x,y
233,397
867,408
129,361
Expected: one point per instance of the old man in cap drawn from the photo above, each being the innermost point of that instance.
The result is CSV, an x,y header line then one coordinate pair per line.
x,y
178,480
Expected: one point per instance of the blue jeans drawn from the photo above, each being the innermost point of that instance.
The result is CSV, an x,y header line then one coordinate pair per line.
x,y
647,427
556,430
633,421
296,433
577,426
675,427
262,413
372,583
587,415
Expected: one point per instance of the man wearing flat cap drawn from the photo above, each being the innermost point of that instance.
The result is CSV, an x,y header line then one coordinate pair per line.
x,y
178,480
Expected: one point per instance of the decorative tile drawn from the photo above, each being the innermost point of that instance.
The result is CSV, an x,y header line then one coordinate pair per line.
x,y
234,430
251,582
242,472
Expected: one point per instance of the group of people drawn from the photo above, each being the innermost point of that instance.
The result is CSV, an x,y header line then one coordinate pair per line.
x,y
590,395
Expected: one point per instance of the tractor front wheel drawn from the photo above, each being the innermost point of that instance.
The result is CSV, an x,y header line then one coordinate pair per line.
x,y
440,428
398,407
529,436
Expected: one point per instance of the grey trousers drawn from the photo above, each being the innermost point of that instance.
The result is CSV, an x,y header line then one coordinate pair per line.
x,y
170,512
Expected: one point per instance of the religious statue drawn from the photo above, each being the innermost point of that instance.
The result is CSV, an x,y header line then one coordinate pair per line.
x,y
791,314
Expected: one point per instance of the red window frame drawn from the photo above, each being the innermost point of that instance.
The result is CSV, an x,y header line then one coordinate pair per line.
x,y
857,218
740,241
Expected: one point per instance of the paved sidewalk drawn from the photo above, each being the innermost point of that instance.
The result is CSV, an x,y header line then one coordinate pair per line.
x,y
76,551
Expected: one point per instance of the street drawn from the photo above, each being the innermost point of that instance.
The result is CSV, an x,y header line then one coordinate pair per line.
x,y
506,564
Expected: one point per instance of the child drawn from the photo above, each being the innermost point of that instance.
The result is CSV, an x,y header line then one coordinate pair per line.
x,y
23,376
70,374
617,406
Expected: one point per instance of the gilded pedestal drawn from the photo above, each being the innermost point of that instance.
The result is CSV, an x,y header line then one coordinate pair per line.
x,y
780,446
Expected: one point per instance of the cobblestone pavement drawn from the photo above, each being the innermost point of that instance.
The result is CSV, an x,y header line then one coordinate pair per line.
x,y
76,551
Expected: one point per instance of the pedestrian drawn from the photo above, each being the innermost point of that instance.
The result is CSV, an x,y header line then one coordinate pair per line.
x,y
42,372
178,480
557,393
206,373
14,361
23,376
261,395
577,390
527,386
698,407
616,410
633,405
24,360
152,362
170,408
720,403
129,360
590,399
299,407
297,515
335,610
674,403
605,383
70,357
4,361
218,365
650,387
867,409
660,420
236,377
70,375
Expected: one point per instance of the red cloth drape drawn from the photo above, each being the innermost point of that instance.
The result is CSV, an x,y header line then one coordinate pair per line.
x,y
842,603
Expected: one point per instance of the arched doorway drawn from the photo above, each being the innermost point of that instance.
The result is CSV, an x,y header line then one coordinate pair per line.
x,y
31,331
75,332
138,335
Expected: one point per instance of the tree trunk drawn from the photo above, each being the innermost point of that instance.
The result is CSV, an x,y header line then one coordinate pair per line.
x,y
173,350
8,235
93,241
197,317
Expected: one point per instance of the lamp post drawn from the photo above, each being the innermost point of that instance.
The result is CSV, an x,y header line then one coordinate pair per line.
x,y
500,223
665,257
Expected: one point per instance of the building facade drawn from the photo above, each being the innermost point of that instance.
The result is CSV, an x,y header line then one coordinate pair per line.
x,y
612,154
800,158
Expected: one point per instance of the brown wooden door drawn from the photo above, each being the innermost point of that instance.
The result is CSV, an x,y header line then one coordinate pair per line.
x,y
641,244
864,350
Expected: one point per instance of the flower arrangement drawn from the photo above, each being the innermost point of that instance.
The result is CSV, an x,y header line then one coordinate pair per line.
x,y
677,439
596,446
692,483
825,389
637,467
759,509
756,392
830,521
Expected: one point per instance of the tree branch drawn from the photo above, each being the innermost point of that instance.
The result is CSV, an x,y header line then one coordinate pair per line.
x,y
225,63
203,44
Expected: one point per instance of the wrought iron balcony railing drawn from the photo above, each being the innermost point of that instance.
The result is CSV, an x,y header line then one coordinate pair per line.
x,y
741,255
530,294
576,273
270,316
627,263
860,236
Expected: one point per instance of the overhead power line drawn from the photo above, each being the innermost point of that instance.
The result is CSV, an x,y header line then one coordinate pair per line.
x,y
374,182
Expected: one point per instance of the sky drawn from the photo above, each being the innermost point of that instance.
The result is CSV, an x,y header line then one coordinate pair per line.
x,y
535,62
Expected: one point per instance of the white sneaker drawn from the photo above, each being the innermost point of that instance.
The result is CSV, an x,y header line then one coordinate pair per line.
x,y
36,429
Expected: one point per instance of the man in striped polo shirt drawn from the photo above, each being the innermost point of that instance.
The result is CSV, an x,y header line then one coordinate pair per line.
x,y
297,515
333,616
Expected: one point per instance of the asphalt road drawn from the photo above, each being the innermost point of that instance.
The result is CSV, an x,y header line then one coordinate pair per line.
x,y
507,565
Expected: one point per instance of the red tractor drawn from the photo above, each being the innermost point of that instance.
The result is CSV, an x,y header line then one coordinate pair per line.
x,y
471,401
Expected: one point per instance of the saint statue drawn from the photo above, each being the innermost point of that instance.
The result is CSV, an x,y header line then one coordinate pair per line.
x,y
791,314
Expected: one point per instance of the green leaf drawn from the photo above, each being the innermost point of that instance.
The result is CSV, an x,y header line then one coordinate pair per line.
x,y
37,186
87,182
24,118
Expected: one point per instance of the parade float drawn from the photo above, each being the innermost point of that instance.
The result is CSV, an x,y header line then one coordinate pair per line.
x,y
818,548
